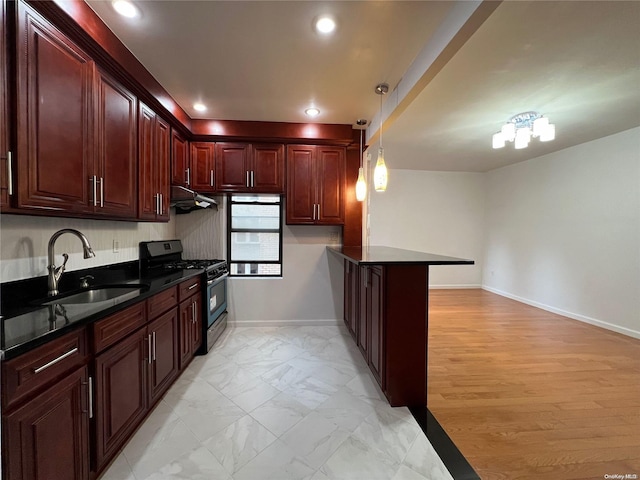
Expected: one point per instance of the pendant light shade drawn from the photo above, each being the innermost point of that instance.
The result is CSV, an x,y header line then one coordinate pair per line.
x,y
380,173
361,186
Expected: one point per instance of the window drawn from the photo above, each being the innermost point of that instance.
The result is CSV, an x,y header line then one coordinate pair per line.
x,y
254,226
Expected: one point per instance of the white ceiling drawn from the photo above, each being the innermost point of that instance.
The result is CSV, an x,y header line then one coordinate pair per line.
x,y
577,62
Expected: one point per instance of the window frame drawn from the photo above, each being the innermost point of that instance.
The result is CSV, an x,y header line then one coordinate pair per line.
x,y
231,231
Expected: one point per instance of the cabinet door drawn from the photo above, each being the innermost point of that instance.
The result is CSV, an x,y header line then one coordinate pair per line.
x,y
330,175
301,192
364,321
116,142
202,166
121,393
49,435
375,308
163,166
186,326
351,298
147,179
164,354
268,168
4,112
180,172
232,167
196,325
54,127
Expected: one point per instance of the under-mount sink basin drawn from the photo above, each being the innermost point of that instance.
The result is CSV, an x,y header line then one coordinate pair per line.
x,y
96,294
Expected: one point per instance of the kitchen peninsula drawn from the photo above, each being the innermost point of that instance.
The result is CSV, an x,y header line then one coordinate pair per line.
x,y
386,299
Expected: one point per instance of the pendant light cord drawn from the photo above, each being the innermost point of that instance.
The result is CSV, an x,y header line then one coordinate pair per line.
x,y
360,152
381,121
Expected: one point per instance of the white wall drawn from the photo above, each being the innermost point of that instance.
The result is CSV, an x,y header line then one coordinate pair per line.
x,y
24,239
563,232
310,290
435,212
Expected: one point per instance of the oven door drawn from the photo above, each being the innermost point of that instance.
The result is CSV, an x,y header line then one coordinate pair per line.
x,y
216,298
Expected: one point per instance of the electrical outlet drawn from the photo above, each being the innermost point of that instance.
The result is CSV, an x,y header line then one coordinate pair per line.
x,y
116,246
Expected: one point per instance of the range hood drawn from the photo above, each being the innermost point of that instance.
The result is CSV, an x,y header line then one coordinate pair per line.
x,y
186,200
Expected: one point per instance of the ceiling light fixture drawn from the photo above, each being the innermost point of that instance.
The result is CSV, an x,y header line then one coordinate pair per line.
x,y
125,8
199,107
380,174
520,128
312,112
325,25
361,184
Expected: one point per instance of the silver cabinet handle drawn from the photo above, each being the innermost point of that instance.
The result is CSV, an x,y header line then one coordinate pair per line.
x,y
252,184
314,211
157,197
102,192
94,181
9,174
149,347
55,360
193,286
188,170
318,212
90,397
211,177
161,204
246,182
154,346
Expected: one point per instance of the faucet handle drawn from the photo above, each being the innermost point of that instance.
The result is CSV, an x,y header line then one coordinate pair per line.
x,y
61,268
84,281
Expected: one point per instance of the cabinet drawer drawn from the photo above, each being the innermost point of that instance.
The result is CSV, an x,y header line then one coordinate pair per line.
x,y
160,303
188,288
108,331
27,373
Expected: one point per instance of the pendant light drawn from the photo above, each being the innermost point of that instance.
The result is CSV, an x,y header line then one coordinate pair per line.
x,y
361,184
380,172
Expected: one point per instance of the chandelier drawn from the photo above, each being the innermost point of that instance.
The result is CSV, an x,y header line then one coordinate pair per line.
x,y
520,128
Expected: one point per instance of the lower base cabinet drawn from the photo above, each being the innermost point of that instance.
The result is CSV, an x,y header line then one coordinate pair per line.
x,y
49,435
190,328
164,366
371,320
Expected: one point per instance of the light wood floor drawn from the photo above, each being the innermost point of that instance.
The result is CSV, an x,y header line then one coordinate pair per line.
x,y
527,394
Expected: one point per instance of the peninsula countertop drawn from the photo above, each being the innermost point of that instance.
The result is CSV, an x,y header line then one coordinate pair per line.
x,y
380,255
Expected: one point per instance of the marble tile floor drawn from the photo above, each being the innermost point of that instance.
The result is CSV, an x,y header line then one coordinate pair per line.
x,y
278,403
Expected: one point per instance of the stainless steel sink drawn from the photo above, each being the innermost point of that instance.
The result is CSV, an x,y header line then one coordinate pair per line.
x,y
97,294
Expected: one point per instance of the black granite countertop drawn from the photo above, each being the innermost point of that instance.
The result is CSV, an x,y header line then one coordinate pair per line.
x,y
375,255
25,324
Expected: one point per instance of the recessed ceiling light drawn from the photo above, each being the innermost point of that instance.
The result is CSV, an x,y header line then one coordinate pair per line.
x,y
199,107
125,8
325,25
312,112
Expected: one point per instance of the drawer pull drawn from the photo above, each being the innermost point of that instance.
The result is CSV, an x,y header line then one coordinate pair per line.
x,y
193,286
56,360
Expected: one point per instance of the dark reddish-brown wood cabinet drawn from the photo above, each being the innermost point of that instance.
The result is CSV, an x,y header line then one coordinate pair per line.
x,y
315,184
54,117
153,165
5,155
351,298
190,320
164,365
374,285
46,408
113,177
203,174
254,168
180,168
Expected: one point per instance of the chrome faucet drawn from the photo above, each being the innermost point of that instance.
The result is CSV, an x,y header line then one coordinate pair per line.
x,y
56,272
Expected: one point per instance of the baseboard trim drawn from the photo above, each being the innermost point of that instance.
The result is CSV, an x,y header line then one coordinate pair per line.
x,y
575,316
454,287
285,323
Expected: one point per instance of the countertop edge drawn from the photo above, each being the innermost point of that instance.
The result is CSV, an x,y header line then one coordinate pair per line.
x,y
357,261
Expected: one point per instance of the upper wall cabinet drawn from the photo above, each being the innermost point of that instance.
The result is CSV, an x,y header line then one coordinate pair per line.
x,y
202,171
54,124
180,168
242,167
315,185
5,166
153,165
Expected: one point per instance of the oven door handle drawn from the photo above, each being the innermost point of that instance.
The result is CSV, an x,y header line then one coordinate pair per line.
x,y
217,279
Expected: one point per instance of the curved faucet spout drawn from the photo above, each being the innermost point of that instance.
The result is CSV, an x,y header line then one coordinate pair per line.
x,y
56,272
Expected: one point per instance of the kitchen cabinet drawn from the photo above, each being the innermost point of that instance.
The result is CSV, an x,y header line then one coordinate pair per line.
x,y
203,167
153,165
351,298
163,361
246,168
46,408
48,437
113,179
5,154
315,185
375,322
190,319
54,117
180,168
